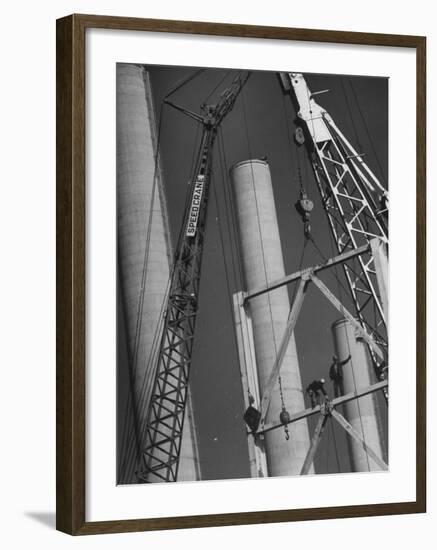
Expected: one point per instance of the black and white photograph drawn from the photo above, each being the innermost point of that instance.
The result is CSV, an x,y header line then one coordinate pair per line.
x,y
214,247
252,274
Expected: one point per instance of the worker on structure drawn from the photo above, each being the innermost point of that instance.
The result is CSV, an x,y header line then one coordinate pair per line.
x,y
252,416
382,370
315,391
336,374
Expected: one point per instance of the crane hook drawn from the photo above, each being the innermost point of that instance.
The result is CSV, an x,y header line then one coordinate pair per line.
x,y
304,207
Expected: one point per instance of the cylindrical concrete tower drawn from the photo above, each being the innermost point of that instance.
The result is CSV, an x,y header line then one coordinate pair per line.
x,y
261,252
361,413
144,251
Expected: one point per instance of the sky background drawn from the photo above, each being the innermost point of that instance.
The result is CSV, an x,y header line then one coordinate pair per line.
x,y
266,131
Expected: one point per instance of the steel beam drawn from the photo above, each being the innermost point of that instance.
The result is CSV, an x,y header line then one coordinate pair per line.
x,y
291,323
381,267
347,188
166,413
335,402
338,305
298,274
318,432
353,433
249,381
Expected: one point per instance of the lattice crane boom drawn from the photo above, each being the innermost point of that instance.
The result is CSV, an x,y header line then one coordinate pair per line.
x,y
347,187
163,432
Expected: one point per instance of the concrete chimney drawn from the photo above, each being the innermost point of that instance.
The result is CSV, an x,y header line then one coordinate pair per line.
x,y
262,259
143,232
361,413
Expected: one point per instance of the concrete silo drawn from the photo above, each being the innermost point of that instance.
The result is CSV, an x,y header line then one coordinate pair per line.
x,y
144,256
262,259
361,413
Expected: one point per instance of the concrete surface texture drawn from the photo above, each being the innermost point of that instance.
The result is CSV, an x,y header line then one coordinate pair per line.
x,y
361,413
260,248
144,249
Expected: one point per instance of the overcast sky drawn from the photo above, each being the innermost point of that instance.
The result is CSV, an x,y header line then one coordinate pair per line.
x,y
215,376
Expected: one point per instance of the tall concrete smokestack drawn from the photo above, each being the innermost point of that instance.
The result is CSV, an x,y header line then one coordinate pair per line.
x,y
361,413
143,242
260,247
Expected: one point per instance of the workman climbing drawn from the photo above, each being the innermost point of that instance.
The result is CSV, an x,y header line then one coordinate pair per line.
x,y
315,391
336,373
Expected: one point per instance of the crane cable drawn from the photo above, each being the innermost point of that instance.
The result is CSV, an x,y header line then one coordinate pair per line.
x,y
303,195
350,355
340,285
292,148
230,223
372,145
237,262
130,402
310,110
149,374
334,438
139,317
225,262
214,89
152,365
262,251
351,117
182,82
230,215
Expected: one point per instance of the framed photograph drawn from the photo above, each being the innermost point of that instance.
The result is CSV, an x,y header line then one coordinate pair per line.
x,y
240,274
